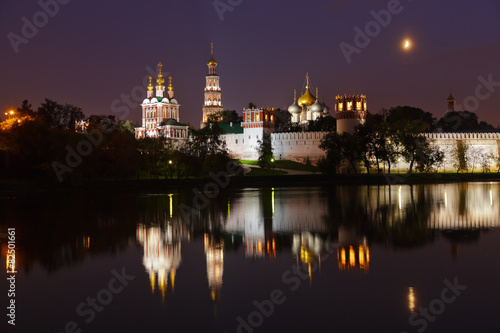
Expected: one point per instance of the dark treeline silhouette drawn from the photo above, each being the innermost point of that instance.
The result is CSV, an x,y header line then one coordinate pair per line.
x,y
385,137
57,142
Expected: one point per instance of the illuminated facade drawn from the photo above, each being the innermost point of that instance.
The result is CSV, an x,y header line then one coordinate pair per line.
x,y
350,112
160,112
213,95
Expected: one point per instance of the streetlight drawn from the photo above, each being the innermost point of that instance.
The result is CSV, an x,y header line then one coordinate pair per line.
x,y
170,168
398,163
444,165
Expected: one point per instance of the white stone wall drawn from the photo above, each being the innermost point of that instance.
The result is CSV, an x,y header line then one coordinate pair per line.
x,y
234,144
297,146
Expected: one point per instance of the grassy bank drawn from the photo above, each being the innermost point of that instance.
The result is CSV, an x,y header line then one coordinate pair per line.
x,y
286,164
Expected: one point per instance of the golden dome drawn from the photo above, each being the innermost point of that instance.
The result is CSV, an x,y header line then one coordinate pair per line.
x,y
307,99
212,61
150,86
170,86
160,80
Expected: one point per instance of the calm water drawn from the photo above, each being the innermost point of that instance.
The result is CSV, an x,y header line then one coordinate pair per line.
x,y
343,259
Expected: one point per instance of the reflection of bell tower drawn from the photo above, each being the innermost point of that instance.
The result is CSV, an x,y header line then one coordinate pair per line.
x,y
214,252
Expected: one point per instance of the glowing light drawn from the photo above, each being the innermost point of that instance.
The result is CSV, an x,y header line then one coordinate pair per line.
x,y
272,200
352,257
171,209
411,299
399,197
407,44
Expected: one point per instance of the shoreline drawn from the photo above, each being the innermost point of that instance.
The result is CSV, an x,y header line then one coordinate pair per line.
x,y
8,187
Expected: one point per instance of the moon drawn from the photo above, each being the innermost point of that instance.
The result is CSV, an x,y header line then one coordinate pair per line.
x,y
406,44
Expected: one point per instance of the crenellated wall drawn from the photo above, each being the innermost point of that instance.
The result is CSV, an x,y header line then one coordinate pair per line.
x,y
298,146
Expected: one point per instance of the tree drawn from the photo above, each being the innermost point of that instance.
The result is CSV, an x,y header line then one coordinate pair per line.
x,y
265,151
409,114
60,116
459,121
478,157
459,156
25,109
322,124
225,117
429,159
332,145
282,120
252,106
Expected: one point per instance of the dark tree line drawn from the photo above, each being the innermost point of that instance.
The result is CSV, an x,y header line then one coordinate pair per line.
x,y
52,142
385,138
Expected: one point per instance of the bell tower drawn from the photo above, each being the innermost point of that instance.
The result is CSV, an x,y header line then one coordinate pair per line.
x,y
451,103
213,101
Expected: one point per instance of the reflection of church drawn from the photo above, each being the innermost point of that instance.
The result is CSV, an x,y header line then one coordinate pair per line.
x,y
162,253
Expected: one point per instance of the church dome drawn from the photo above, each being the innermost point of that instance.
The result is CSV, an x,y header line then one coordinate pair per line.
x,y
326,109
294,108
317,107
307,99
212,61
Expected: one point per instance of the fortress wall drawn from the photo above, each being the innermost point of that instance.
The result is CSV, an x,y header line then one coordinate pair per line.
x,y
298,146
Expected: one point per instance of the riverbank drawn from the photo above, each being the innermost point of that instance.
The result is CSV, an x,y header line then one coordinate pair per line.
x,y
8,187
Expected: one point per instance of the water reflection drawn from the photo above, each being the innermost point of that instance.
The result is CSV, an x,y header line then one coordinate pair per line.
x,y
214,252
267,222
249,237
162,253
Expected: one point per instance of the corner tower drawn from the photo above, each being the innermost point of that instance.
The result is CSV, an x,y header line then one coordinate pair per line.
x,y
350,111
213,100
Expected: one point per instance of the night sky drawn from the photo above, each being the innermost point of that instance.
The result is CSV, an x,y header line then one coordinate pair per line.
x,y
91,52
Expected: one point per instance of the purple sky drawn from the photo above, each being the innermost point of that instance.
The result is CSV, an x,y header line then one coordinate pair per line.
x,y
91,52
